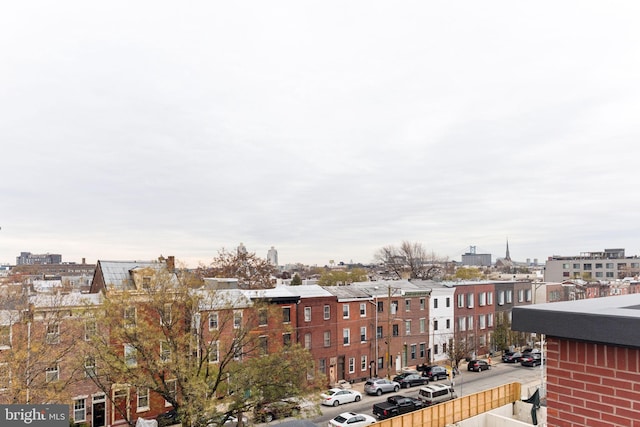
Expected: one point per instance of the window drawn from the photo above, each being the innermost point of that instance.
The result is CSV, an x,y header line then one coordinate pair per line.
x,y
52,373
407,305
380,306
286,314
394,307
172,390
263,345
470,322
460,300
586,266
379,331
213,321
423,325
79,410
576,266
214,352
407,327
143,398
395,331
501,298
165,315
346,333
423,349
237,319
129,317
609,265
528,293
448,323
462,324
165,351
448,302
482,299
509,296
327,338
307,341
435,303
90,329
363,309
622,265
490,320
363,334
489,298
435,349
352,365
327,312
263,317
422,303
363,363
435,325
481,321
237,349
598,265
286,339
53,333
413,351
322,366
90,367
345,311
130,355
470,300
307,314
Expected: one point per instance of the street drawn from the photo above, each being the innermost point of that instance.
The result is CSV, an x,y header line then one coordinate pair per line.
x,y
465,383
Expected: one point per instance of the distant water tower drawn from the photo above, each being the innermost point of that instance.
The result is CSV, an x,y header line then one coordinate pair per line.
x,y
272,256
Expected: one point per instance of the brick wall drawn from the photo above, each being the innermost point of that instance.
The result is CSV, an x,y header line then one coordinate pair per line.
x,y
592,384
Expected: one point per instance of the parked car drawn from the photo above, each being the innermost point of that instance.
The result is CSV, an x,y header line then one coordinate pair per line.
x,y
511,356
478,365
411,379
531,359
435,372
351,419
436,393
380,385
168,418
338,396
276,410
396,405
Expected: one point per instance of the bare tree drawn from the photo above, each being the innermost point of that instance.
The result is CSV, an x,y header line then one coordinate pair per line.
x,y
410,259
251,271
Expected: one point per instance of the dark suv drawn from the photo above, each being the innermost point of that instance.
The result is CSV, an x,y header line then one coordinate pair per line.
x,y
511,356
531,359
435,373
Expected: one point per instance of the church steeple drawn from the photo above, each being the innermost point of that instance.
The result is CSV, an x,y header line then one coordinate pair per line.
x,y
507,257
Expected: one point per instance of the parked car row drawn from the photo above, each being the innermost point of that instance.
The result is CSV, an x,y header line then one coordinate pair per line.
x,y
529,357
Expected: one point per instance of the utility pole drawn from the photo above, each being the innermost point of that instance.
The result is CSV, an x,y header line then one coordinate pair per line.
x,y
389,333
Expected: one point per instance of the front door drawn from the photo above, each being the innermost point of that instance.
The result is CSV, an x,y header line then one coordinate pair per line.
x,y
341,367
98,414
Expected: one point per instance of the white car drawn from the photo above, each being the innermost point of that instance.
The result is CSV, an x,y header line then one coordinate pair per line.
x,y
351,419
338,396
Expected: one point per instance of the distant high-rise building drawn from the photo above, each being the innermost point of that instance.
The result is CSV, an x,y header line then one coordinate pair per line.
x,y
242,250
27,258
474,259
272,256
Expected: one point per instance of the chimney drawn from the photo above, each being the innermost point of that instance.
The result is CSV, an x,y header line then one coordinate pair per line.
x,y
171,263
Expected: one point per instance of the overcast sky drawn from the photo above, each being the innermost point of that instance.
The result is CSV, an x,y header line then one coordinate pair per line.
x,y
328,129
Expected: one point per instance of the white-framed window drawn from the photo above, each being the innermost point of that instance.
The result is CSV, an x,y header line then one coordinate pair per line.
x,y
509,296
422,303
422,349
470,298
489,298
327,339
90,367
165,315
352,365
286,314
407,304
79,410
363,334
142,394
460,300
130,356
214,352
407,327
363,309
327,312
363,362
482,321
482,299
165,351
172,390
307,341
307,314
263,317
322,366
528,295
345,311
490,320
52,373
470,322
346,336
423,325
462,323
90,329
213,321
53,333
237,319
501,298
130,317
413,348
520,295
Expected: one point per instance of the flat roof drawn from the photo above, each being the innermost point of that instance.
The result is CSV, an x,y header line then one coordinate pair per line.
x,y
609,320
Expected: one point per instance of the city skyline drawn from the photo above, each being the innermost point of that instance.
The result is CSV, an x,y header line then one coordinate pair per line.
x,y
327,130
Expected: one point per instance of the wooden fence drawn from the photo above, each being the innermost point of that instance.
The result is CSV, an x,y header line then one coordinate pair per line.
x,y
459,409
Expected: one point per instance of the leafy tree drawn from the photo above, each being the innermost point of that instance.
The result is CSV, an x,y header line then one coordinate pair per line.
x,y
412,259
163,337
468,273
296,280
342,277
251,271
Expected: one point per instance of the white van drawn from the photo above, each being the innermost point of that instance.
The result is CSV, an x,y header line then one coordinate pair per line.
x,y
436,393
